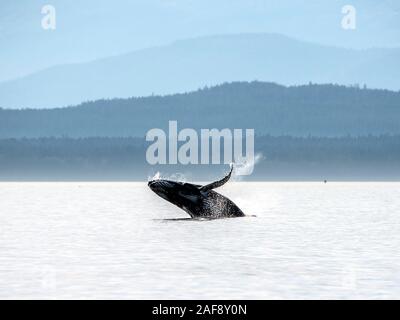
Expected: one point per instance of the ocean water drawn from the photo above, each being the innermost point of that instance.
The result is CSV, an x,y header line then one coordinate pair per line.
x,y
114,241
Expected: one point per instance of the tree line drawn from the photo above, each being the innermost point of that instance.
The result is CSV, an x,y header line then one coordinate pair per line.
x,y
124,158
317,110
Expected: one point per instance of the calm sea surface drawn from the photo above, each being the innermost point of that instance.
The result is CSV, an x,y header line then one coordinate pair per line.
x,y
112,240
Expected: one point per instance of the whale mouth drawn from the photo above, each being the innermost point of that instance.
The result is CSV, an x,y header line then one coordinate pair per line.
x,y
150,183
160,185
162,188
154,185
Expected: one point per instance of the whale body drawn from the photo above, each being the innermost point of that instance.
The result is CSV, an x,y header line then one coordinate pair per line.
x,y
198,201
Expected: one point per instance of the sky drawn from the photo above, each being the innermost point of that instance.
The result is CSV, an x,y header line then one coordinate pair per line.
x,y
92,29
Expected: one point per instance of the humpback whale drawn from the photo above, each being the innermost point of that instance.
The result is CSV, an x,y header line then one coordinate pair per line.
x,y
198,201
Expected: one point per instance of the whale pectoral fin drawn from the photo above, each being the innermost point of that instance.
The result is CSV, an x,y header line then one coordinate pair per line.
x,y
219,183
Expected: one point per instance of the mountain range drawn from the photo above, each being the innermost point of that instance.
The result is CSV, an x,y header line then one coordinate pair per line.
x,y
271,109
187,65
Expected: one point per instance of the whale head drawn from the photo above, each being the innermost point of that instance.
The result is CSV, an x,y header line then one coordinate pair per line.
x,y
184,195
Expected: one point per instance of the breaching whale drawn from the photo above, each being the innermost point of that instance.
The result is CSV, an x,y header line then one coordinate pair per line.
x,y
198,201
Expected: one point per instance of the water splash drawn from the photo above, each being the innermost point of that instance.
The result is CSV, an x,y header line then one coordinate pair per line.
x,y
157,176
175,177
240,169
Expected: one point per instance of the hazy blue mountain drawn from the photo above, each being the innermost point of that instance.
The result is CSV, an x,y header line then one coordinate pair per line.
x,y
188,65
317,110
92,29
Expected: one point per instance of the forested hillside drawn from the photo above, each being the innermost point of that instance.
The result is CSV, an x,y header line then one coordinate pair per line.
x,y
315,110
